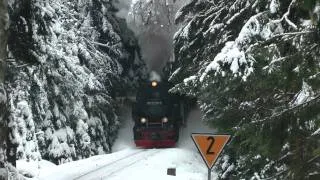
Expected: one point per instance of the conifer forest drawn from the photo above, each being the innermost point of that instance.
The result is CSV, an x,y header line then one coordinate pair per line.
x,y
252,68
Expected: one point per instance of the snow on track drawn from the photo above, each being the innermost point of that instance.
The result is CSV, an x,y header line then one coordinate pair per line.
x,y
189,166
76,169
106,171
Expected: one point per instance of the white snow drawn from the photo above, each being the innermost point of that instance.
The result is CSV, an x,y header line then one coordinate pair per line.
x,y
317,132
236,54
174,73
186,29
229,54
193,125
23,131
316,10
305,94
225,163
34,168
286,146
125,138
274,6
191,78
229,169
215,27
129,162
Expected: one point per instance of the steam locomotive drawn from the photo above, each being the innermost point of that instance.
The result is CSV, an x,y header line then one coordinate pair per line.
x,y
157,116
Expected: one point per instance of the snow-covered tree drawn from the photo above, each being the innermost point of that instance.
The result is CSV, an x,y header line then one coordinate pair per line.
x,y
7,161
254,67
67,61
24,130
3,99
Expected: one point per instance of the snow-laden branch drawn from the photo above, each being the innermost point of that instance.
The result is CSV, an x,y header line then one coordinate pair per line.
x,y
23,65
312,101
285,16
236,15
317,132
270,40
100,44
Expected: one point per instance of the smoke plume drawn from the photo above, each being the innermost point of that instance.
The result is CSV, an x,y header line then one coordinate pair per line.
x,y
153,23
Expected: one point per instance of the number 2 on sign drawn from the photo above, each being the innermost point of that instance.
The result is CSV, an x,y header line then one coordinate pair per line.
x,y
209,150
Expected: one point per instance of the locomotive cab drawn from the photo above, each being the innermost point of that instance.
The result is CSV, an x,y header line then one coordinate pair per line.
x,y
156,114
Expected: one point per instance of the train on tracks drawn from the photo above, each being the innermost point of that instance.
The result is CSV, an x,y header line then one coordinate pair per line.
x,y
158,115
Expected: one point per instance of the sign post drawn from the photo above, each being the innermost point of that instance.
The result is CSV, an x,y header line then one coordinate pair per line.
x,y
210,147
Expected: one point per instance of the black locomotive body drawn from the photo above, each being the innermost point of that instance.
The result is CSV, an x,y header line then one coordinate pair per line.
x,y
157,115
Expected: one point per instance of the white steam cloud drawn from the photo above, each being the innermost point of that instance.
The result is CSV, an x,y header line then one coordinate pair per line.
x,y
154,76
153,23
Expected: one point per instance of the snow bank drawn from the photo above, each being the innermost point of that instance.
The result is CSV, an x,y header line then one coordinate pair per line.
x,y
34,168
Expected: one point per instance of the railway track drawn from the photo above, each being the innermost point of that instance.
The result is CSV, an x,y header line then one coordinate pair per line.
x,y
107,170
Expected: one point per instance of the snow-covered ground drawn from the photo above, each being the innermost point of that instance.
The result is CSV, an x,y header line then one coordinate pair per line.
x,y
129,162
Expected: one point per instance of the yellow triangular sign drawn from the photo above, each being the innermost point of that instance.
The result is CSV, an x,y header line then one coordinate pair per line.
x,y
210,146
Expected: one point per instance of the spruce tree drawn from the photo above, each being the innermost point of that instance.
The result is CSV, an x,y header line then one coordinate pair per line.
x,y
67,61
3,99
254,67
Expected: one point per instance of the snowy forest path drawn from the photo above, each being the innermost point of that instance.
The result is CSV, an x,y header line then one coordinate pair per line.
x,y
120,164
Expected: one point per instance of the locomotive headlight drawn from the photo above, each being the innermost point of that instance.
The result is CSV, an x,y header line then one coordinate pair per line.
x,y
154,83
164,119
143,120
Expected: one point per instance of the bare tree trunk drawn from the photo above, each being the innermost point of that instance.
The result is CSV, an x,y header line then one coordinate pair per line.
x,y
3,100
